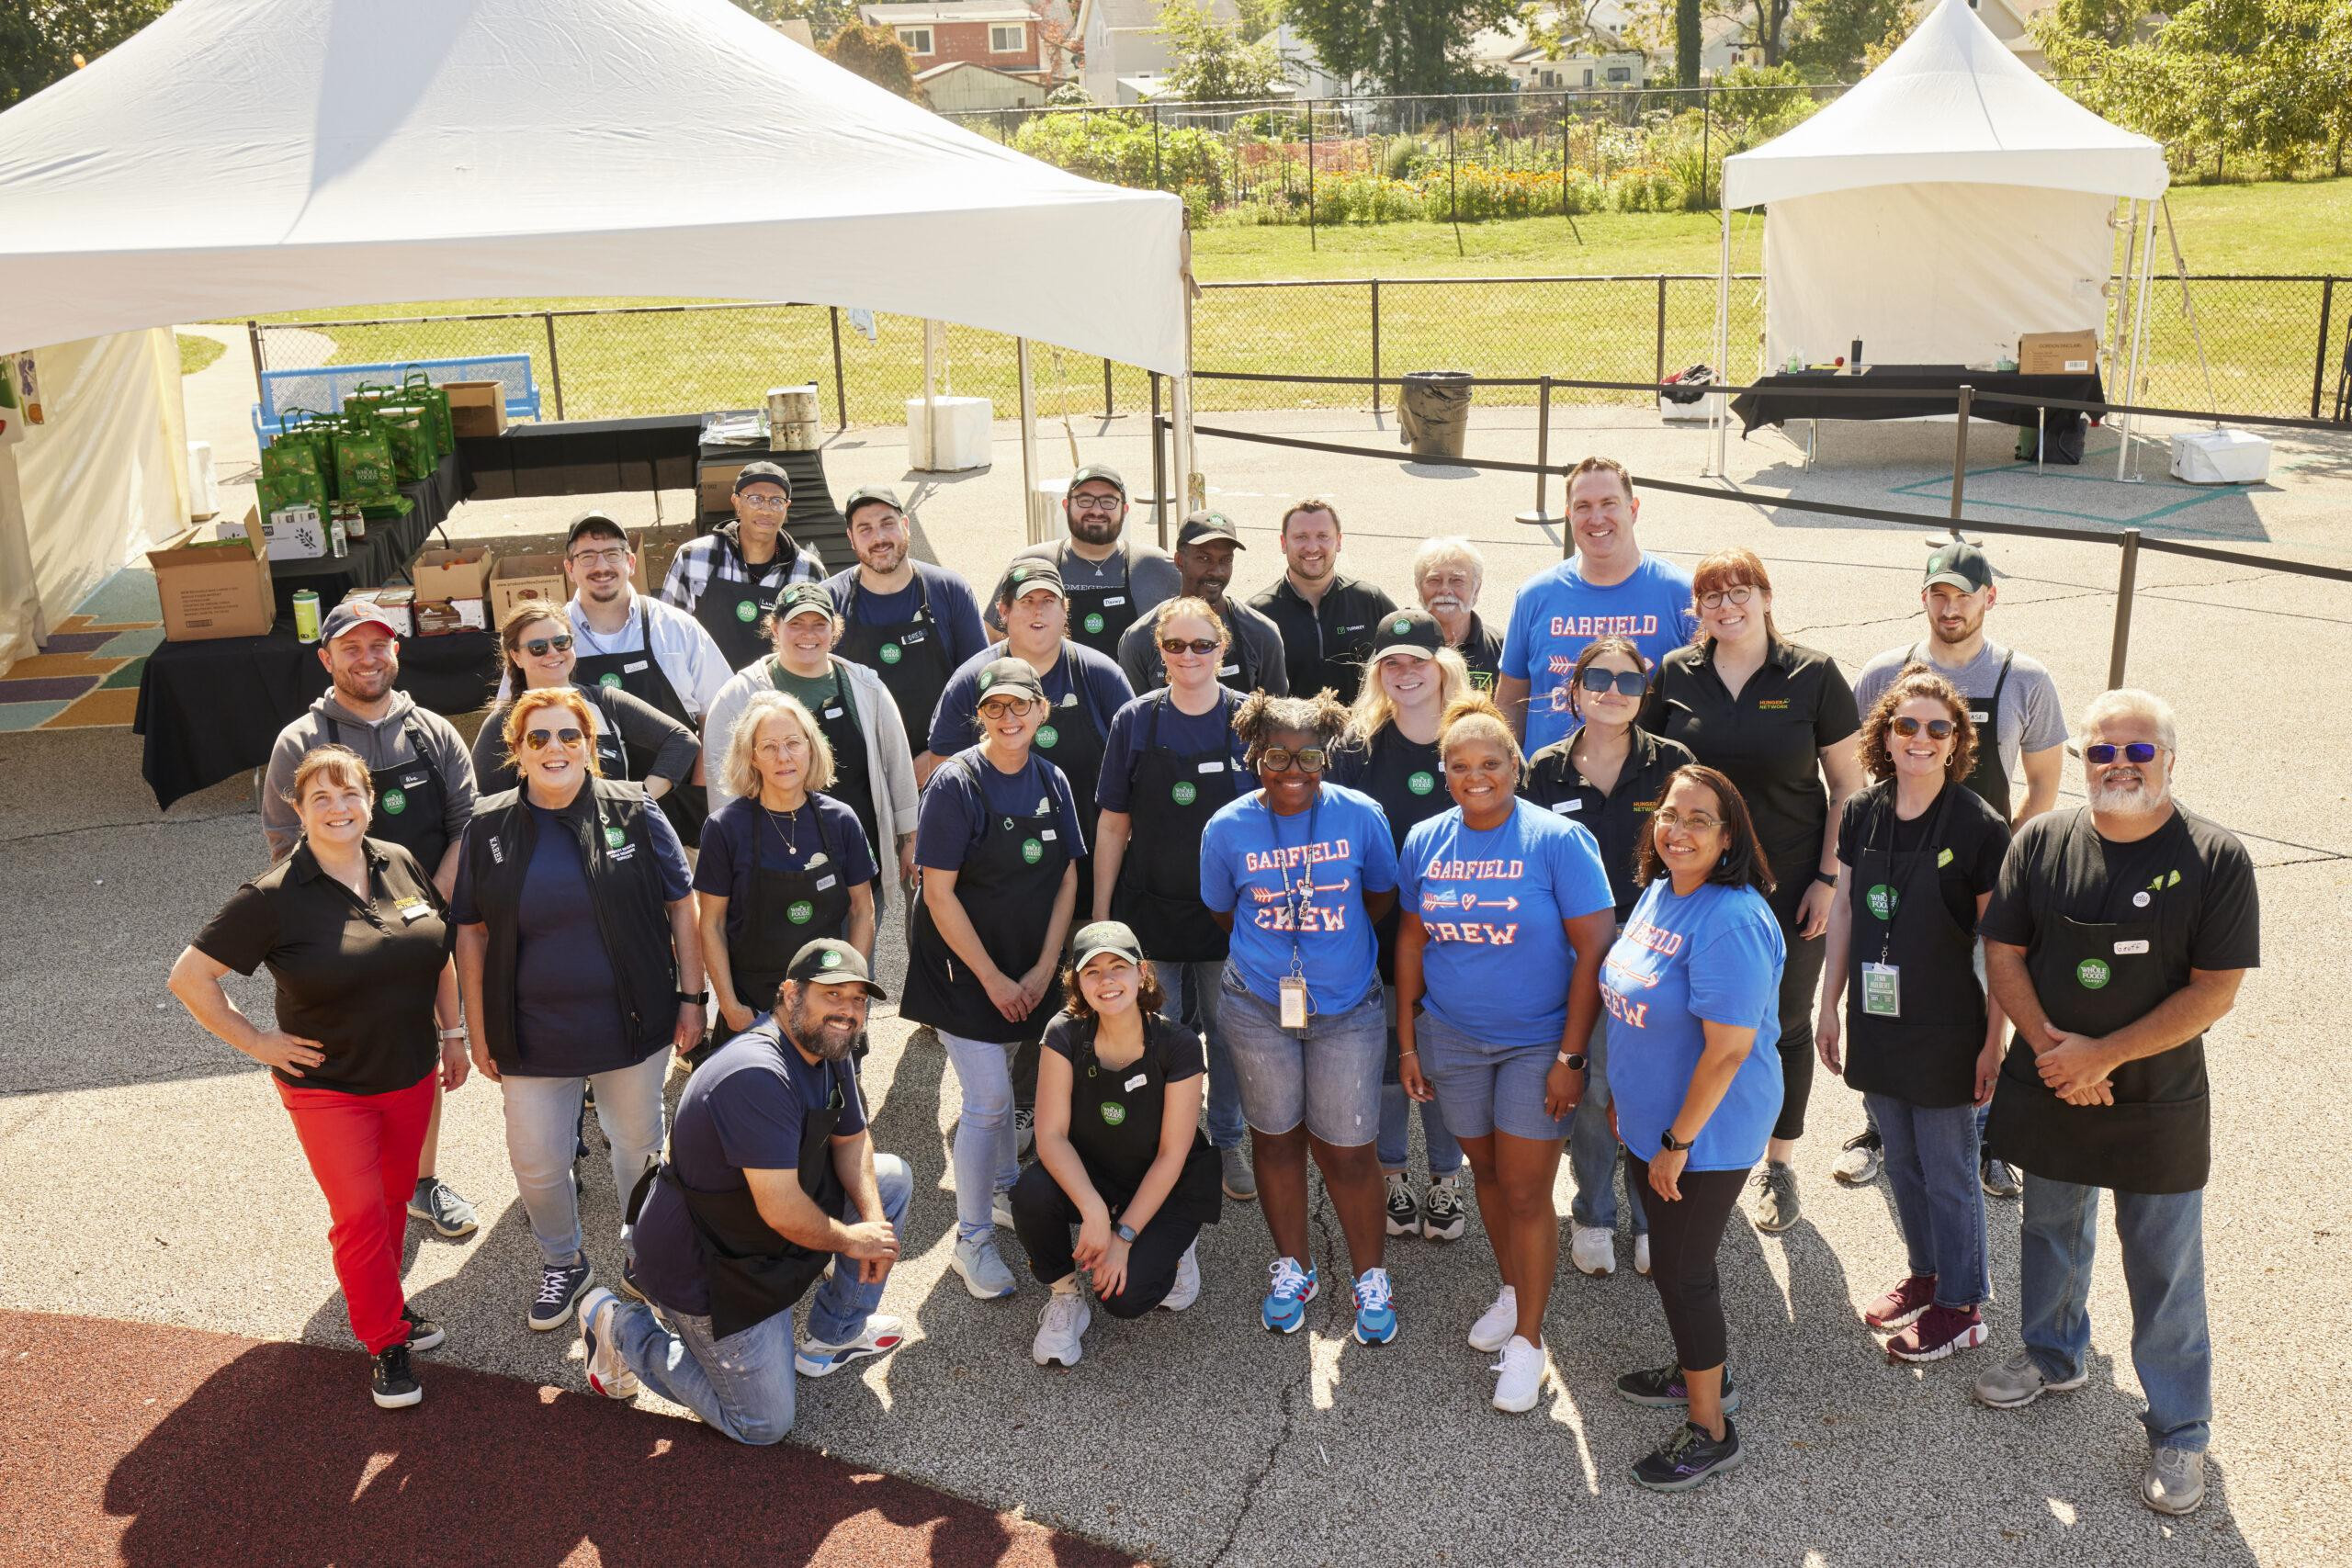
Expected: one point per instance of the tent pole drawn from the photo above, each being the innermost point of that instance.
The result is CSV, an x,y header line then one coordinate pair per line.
x,y
1031,523
930,395
1718,412
2122,332
2138,335
1192,490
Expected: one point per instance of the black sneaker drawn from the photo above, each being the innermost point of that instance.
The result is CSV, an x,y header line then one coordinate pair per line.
x,y
1687,1458
1999,1177
438,1205
1024,1130
1661,1388
393,1385
560,1287
423,1334
1404,1209
1442,1216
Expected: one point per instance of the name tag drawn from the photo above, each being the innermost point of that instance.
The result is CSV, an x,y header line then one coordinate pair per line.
x,y
1138,1080
823,882
1943,859
1107,603
1979,717
1230,669
1212,767
412,908
832,712
1047,835
908,640
633,668
2128,947
411,781
1575,805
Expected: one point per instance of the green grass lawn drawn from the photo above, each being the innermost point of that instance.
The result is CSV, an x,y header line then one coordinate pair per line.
x,y
196,353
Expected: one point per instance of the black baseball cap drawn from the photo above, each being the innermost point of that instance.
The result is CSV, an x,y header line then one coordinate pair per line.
x,y
1200,526
1960,564
870,495
1026,576
754,473
1102,471
595,522
1405,631
352,614
1008,674
804,596
828,961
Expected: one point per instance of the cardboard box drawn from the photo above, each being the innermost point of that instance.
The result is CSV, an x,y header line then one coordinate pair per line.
x,y
517,578
476,408
2057,354
439,576
298,533
213,581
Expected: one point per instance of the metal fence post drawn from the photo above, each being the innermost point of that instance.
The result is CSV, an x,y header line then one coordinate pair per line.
x,y
1107,388
2125,581
252,336
554,368
1375,346
1310,174
840,388
1157,182
1542,452
2319,360
1706,140
1661,326
1959,456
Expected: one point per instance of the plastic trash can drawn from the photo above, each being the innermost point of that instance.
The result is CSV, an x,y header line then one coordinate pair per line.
x,y
1434,412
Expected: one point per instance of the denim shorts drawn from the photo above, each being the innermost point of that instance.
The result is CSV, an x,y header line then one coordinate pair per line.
x,y
1329,1077
1484,1089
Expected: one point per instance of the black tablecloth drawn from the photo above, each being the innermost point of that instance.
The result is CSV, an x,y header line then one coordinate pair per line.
x,y
209,711
391,543
1791,397
813,519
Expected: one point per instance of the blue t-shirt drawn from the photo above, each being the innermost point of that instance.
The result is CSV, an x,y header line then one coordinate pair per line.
x,y
741,1111
1186,733
954,611
1715,955
968,789
1332,854
739,839
1083,677
1558,612
1497,963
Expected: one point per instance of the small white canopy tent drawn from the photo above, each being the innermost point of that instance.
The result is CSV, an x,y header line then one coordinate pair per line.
x,y
241,156
1949,201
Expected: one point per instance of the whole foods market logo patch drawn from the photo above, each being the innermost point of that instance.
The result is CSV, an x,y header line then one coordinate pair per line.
x,y
2093,974
1183,794
614,837
1422,782
801,912
609,678
1882,900
1047,736
892,653
1033,851
395,802
1093,622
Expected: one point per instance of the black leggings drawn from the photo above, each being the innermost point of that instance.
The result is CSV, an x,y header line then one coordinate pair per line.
x,y
1800,979
1684,1237
1043,1215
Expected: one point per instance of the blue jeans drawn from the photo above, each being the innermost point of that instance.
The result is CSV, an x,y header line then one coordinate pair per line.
x,y
1395,1139
1594,1148
543,1130
986,1159
1192,1001
1939,1201
742,1386
2163,1238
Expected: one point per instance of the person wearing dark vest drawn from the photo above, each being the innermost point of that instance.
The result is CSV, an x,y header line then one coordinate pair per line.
x,y
1609,773
1326,620
422,781
912,623
874,771
772,1182
727,579
1390,753
357,938
1777,720
1120,1151
2020,725
1254,660
1113,582
581,966
536,642
652,650
1448,572
783,863
1920,855
1172,759
2117,936
997,847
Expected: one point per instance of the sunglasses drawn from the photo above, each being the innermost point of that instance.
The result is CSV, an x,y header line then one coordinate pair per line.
x,y
1281,759
539,647
540,740
1716,601
1196,644
1937,728
2105,755
1625,682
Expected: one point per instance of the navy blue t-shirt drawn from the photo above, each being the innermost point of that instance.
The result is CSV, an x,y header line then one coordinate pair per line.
x,y
968,789
1186,733
743,1111
1080,679
740,838
952,609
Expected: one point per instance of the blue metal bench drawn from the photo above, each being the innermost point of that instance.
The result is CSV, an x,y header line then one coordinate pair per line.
x,y
324,388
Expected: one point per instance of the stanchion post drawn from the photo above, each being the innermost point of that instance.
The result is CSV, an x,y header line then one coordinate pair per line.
x,y
555,370
2126,581
1959,456
1107,388
1542,515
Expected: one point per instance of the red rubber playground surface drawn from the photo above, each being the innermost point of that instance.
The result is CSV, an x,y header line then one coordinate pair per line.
x,y
124,1442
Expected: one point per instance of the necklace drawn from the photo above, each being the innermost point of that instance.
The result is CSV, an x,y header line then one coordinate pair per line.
x,y
791,840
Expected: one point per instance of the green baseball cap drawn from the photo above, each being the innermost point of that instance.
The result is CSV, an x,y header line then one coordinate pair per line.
x,y
828,961
1960,564
869,495
804,598
1102,471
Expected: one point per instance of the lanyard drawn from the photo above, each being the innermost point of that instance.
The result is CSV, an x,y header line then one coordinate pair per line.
x,y
1902,890
1295,896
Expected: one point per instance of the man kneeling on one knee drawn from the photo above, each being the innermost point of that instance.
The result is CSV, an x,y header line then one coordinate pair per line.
x,y
771,1177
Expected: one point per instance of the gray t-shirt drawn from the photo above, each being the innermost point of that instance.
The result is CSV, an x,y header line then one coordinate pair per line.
x,y
2030,718
1150,575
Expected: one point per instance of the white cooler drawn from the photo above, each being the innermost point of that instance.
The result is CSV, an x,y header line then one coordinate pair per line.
x,y
963,428
2221,457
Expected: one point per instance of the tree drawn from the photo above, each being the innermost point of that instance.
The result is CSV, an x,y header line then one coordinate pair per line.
x,y
1212,62
40,39
1832,36
874,53
1907,18
825,17
1767,22
1689,45
1402,46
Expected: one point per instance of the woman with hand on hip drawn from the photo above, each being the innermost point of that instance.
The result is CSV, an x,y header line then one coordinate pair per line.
x,y
1507,915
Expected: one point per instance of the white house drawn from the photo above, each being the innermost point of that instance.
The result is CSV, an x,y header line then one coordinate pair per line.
x,y
1597,59
1126,54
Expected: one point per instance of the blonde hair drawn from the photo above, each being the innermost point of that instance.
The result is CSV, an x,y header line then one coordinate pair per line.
x,y
1374,711
739,773
565,697
1187,604
340,762
1474,717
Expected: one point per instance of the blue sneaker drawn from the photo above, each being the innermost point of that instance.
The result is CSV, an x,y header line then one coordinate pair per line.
x,y
1375,1308
1284,1310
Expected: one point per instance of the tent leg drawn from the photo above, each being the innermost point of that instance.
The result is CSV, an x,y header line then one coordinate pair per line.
x,y
2139,341
929,397
1191,488
1034,526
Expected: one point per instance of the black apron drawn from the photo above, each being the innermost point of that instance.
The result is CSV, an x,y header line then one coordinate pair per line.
x,y
1170,798
1988,778
639,674
909,655
612,756
1408,780
852,783
753,1273
1007,885
1927,1056
1114,1125
409,800
1069,740
788,910
1100,615
2157,1136
731,611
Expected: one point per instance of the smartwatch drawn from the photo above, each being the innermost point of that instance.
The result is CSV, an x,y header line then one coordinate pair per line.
x,y
690,999
1572,1060
1124,1230
1827,878
1667,1141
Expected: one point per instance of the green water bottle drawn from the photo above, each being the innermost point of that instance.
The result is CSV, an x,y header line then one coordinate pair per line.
x,y
306,615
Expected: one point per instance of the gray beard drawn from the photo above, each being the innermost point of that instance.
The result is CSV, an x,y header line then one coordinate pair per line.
x,y
2130,800
827,1042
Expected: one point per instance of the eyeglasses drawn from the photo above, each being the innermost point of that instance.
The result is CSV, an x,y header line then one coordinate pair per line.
x,y
1004,707
1733,596
1196,644
764,502
2105,755
1097,502
540,740
791,747
1937,728
540,647
1697,822
1282,759
616,556
1625,682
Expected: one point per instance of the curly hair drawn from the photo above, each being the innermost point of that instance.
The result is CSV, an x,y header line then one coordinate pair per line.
x,y
1150,996
1474,716
1916,683
1322,716
1742,864
565,697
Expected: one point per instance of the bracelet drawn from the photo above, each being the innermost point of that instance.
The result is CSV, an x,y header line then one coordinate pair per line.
x,y
457,1034
1408,1051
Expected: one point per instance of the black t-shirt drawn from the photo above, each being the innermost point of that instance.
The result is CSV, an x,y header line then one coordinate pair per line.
x,y
1169,1046
1970,845
1405,776
1767,740
1618,820
1326,643
359,979
1482,650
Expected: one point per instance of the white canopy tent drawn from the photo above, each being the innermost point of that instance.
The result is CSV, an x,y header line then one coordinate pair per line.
x,y
1949,202
241,156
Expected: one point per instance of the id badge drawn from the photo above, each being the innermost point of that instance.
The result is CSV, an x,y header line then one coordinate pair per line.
x,y
1882,990
1294,1001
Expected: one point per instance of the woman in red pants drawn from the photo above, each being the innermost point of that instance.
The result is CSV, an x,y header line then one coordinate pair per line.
x,y
358,943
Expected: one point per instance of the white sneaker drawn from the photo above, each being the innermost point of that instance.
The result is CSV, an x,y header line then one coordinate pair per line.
x,y
984,1272
1521,1383
607,1373
1000,1210
1187,1288
1593,1250
1642,1254
1061,1330
1496,1323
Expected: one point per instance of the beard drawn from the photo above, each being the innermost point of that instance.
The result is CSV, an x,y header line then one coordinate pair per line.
x,y
830,1040
2129,797
1093,528
1966,631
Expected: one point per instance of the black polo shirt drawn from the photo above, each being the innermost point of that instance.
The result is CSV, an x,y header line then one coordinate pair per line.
x,y
1617,820
1483,651
1767,740
1325,644
358,978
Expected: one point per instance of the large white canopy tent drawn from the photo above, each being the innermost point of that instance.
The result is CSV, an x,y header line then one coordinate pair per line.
x,y
243,157
1949,201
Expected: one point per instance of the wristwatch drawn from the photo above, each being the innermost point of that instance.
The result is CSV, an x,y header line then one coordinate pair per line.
x,y
1572,1060
1669,1142
690,999
1124,1230
1827,878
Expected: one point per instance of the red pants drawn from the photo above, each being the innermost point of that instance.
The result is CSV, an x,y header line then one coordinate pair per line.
x,y
364,1149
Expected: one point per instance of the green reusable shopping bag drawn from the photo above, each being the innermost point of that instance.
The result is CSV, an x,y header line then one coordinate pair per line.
x,y
410,427
416,387
364,467
291,474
